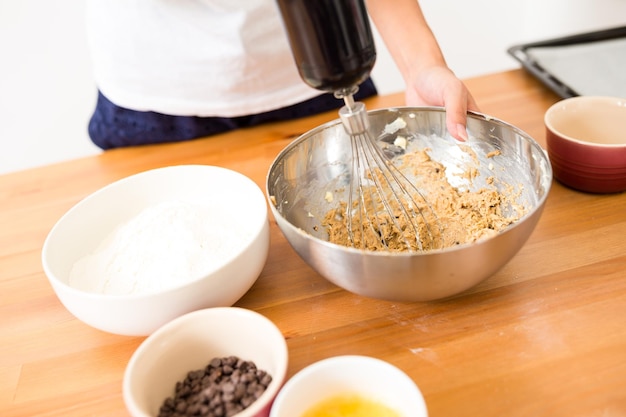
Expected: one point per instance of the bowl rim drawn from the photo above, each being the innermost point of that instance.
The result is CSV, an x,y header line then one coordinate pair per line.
x,y
56,281
557,134
471,114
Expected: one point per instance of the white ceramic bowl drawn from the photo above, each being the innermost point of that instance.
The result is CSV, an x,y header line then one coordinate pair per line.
x,y
367,377
228,197
189,342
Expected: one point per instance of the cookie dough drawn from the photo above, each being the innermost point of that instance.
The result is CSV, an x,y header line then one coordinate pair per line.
x,y
438,215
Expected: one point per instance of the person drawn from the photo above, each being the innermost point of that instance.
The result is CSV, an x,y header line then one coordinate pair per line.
x,y
415,50
170,71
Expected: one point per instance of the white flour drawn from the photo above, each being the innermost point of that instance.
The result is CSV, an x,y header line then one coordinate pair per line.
x,y
164,246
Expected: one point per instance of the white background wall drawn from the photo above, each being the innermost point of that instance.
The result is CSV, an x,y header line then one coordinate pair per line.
x,y
47,92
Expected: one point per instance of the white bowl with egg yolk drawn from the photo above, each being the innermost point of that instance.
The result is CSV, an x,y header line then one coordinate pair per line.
x,y
344,382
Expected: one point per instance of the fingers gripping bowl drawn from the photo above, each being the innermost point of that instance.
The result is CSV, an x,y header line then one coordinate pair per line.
x,y
498,156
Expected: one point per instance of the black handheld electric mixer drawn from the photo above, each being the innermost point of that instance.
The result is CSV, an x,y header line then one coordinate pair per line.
x,y
334,50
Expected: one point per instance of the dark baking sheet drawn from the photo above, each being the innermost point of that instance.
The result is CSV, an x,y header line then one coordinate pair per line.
x,y
592,63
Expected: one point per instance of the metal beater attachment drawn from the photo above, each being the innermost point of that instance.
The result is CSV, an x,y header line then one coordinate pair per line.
x,y
384,210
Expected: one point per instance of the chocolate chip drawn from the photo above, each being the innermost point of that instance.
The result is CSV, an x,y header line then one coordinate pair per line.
x,y
225,387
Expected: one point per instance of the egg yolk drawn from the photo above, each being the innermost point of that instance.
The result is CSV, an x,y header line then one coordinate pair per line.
x,y
350,406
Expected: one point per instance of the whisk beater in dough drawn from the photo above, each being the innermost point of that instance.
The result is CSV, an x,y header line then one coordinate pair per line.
x,y
384,209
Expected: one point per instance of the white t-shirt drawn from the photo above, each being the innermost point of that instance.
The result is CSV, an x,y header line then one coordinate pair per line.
x,y
193,57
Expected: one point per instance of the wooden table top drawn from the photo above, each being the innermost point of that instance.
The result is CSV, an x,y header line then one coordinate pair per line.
x,y
545,336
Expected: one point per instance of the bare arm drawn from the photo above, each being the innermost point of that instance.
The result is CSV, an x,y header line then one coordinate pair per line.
x,y
418,56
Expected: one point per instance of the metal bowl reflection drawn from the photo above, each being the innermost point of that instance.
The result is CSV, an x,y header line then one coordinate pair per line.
x,y
319,160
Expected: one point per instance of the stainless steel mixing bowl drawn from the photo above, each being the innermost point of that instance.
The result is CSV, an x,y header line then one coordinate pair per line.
x,y
319,161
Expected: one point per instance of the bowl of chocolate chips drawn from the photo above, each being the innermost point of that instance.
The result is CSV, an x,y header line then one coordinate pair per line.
x,y
221,361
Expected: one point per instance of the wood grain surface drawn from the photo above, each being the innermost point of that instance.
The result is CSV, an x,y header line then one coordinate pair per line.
x,y
544,336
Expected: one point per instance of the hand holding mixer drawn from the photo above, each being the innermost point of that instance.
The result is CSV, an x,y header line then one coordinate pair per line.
x,y
334,50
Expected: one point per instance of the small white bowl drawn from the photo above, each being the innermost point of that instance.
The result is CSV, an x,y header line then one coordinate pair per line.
x,y
189,342
367,377
228,195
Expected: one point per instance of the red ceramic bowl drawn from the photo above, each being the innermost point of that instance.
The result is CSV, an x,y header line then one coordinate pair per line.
x,y
586,141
